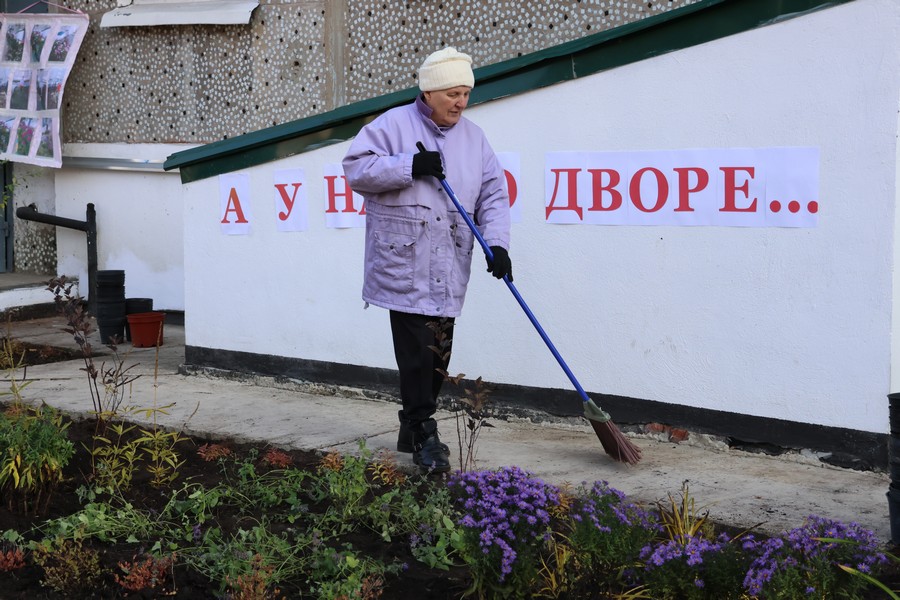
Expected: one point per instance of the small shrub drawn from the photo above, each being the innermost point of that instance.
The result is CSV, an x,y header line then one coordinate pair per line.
x,y
69,568
277,459
506,522
113,459
333,461
607,530
107,384
343,574
695,568
558,573
12,559
680,517
211,452
34,450
805,562
384,469
343,482
160,452
149,574
254,585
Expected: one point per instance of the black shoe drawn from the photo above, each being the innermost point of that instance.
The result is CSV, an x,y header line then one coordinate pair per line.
x,y
429,453
405,439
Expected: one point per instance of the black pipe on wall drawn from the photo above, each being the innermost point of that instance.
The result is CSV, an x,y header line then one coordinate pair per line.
x,y
89,226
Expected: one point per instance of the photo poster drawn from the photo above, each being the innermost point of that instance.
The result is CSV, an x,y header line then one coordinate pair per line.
x,y
37,52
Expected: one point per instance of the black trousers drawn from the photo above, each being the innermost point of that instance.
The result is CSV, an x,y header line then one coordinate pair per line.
x,y
420,382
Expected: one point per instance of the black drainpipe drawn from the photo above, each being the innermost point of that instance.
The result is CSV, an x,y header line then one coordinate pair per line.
x,y
89,226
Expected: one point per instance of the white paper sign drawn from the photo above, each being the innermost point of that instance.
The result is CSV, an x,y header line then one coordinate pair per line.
x,y
343,207
289,188
733,187
510,163
235,215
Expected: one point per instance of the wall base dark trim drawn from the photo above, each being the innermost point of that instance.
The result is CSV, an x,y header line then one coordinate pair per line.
x,y
842,447
174,317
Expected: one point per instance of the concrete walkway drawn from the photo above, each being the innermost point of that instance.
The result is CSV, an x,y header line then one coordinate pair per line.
x,y
738,488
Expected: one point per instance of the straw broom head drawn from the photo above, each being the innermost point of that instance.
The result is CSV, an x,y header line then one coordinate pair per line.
x,y
614,442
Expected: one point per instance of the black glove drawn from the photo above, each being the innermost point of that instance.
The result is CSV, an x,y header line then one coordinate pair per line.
x,y
427,164
502,265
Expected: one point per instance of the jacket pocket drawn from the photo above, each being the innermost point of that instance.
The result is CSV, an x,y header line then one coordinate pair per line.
x,y
395,261
464,243
463,238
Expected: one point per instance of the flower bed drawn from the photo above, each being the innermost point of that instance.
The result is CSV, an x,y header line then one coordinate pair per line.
x,y
244,521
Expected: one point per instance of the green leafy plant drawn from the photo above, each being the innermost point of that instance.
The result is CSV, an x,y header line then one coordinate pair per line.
x,y
278,492
225,558
344,483
114,457
426,515
108,521
34,450
342,573
163,460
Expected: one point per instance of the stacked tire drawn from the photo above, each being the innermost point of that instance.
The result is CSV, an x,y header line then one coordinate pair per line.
x,y
111,306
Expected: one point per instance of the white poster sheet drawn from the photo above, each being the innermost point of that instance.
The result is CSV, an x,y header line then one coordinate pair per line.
x,y
235,204
511,166
289,187
344,208
733,187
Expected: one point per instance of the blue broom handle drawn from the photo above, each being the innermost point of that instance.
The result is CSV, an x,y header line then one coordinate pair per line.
x,y
512,288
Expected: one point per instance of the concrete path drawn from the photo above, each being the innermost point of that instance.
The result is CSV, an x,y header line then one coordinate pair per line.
x,y
738,488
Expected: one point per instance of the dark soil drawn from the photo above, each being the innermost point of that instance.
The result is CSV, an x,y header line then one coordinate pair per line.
x,y
418,582
27,354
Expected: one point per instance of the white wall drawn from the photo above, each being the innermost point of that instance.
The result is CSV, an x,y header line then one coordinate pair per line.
x,y
785,323
139,222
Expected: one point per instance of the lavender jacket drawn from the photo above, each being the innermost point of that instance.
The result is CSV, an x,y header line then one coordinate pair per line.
x,y
418,252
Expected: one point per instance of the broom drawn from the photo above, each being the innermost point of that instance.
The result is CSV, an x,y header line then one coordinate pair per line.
x,y
614,442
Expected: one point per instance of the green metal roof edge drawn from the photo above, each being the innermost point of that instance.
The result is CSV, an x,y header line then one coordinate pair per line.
x,y
691,25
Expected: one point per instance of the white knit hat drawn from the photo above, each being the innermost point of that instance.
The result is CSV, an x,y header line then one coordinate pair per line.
x,y
446,69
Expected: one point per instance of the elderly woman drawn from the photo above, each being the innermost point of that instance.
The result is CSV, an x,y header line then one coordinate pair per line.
x,y
418,252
